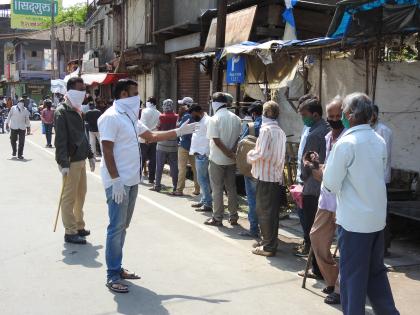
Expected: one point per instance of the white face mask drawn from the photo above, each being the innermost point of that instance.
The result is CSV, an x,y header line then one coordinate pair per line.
x,y
76,98
216,106
131,105
20,105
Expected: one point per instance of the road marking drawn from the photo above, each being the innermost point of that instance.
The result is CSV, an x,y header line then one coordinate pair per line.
x,y
150,201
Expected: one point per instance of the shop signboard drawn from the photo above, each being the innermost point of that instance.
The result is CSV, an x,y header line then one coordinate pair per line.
x,y
32,14
235,72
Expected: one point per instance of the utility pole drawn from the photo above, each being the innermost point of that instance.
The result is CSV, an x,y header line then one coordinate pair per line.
x,y
217,80
52,41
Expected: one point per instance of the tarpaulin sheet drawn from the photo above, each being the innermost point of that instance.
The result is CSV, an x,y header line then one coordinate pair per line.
x,y
371,18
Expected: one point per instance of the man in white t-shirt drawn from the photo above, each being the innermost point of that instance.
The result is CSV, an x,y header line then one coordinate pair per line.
x,y
119,130
150,118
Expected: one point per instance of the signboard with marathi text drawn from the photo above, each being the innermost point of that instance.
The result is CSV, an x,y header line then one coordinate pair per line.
x,y
235,73
32,14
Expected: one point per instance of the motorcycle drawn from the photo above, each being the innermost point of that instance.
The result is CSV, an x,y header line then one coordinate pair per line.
x,y
34,113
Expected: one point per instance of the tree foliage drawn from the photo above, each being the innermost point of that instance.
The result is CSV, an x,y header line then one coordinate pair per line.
x,y
75,14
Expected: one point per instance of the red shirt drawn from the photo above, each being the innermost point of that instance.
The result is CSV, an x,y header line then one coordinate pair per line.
x,y
47,116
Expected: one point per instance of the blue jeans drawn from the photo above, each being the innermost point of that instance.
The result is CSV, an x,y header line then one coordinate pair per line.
x,y
363,273
202,168
48,132
251,195
119,219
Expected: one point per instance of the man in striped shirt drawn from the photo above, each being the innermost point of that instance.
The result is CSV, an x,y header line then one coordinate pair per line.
x,y
267,161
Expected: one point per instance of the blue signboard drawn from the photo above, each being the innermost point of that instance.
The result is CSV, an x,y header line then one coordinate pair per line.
x,y
235,72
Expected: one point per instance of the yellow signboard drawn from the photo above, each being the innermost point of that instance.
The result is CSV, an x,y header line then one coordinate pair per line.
x,y
33,14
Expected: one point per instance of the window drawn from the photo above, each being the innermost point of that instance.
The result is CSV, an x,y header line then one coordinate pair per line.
x,y
34,54
101,33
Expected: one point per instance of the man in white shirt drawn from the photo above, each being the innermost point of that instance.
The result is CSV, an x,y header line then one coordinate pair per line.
x,y
355,173
223,130
150,118
200,149
119,130
18,122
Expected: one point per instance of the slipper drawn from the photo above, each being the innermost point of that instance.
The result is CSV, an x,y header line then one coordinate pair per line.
x,y
333,299
117,287
127,275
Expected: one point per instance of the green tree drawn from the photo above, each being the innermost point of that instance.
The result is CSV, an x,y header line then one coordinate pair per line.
x,y
75,14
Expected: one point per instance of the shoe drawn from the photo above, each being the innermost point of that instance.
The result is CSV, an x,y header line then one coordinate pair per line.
x,y
298,246
328,290
14,154
204,209
256,244
151,181
74,239
197,205
248,234
20,157
233,221
310,275
157,189
196,193
177,193
213,222
333,299
303,251
261,252
83,232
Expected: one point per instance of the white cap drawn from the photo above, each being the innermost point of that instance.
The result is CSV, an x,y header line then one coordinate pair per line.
x,y
186,101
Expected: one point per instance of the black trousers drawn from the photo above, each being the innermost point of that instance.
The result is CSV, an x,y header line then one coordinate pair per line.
x,y
148,153
270,198
310,207
14,135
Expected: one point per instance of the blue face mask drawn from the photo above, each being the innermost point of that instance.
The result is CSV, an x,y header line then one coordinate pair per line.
x,y
345,121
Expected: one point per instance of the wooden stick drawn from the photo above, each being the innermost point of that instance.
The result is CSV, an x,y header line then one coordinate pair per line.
x,y
335,252
308,265
59,203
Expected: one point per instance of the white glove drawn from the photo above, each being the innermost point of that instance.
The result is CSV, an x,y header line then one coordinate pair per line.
x,y
118,190
186,129
64,170
92,164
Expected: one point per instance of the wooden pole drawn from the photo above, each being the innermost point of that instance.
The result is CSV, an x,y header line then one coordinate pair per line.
x,y
367,70
320,75
59,203
78,50
220,44
375,71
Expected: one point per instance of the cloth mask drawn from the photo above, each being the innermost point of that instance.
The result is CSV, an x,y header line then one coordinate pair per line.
x,y
266,120
345,121
131,105
20,105
76,98
308,121
216,106
336,124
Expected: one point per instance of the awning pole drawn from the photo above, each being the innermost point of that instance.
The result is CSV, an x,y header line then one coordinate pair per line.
x,y
238,98
320,76
367,70
375,71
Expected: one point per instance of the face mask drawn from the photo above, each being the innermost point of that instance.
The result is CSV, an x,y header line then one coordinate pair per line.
x,y
345,121
76,98
131,105
308,121
335,124
20,105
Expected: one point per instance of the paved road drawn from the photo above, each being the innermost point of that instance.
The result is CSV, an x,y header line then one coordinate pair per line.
x,y
187,268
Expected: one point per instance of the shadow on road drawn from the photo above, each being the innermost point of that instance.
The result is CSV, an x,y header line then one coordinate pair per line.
x,y
144,301
21,161
83,255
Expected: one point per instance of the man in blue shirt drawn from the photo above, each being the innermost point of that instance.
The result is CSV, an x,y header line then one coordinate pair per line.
x,y
253,129
184,156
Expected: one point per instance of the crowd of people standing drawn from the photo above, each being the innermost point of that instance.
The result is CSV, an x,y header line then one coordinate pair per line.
x,y
343,168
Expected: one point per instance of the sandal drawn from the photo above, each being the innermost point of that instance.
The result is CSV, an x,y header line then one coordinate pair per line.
x,y
333,299
213,222
127,275
261,252
328,290
117,286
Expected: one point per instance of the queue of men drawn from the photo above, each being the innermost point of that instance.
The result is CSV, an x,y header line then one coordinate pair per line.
x,y
343,166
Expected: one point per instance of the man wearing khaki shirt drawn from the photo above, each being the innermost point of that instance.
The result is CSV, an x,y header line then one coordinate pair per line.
x,y
223,130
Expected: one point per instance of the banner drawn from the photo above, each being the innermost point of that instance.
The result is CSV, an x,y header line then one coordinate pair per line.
x,y
32,14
